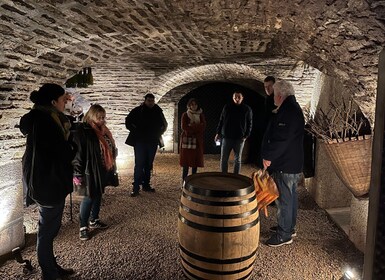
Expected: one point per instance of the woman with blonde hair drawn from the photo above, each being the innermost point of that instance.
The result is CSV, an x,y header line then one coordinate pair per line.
x,y
191,140
94,164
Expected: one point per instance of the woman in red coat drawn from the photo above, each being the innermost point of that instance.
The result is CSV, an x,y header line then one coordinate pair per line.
x,y
191,140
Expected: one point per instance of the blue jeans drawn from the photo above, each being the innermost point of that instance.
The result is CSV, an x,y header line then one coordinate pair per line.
x,y
185,171
90,207
228,145
49,225
144,158
287,202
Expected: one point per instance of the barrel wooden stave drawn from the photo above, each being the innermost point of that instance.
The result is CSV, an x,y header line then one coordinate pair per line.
x,y
210,252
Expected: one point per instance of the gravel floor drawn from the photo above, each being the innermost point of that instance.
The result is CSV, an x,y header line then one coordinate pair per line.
x,y
141,242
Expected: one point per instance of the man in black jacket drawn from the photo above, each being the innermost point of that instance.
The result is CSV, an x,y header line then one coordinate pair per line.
x,y
146,124
282,153
233,129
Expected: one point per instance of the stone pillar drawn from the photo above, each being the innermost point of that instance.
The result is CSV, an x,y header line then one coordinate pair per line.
x,y
11,205
169,113
358,222
325,187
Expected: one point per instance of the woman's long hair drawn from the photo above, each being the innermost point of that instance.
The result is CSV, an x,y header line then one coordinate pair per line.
x,y
93,113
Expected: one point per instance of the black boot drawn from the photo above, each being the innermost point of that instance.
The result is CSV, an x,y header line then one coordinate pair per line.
x,y
148,188
63,271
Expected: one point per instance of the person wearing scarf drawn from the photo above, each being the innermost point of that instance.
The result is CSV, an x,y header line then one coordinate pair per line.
x,y
47,170
193,124
94,165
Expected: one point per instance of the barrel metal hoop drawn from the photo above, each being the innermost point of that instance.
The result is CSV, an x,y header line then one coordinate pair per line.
x,y
217,272
186,272
216,261
218,229
219,203
216,193
217,216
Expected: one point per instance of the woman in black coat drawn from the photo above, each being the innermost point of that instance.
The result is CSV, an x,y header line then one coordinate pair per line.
x,y
47,169
94,167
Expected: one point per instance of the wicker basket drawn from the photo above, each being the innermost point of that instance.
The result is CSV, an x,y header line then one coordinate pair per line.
x,y
352,163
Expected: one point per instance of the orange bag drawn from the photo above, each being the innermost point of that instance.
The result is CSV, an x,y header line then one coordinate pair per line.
x,y
265,188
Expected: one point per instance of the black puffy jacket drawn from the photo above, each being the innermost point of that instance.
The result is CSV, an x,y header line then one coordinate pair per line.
x,y
146,124
50,154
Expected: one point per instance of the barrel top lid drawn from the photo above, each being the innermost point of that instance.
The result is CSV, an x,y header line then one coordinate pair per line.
x,y
218,181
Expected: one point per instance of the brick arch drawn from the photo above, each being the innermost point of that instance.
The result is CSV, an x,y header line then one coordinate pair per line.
x,y
210,72
249,76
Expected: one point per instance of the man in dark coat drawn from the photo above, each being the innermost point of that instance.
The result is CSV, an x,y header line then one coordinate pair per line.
x,y
282,153
146,124
233,129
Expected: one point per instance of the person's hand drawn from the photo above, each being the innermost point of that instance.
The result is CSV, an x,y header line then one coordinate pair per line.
x,y
77,180
266,164
217,137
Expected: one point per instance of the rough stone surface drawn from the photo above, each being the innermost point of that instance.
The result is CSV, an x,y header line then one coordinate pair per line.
x,y
160,45
325,187
119,88
359,222
141,242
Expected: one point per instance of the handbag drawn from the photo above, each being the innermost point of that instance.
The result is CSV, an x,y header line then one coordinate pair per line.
x,y
265,188
113,177
131,139
189,142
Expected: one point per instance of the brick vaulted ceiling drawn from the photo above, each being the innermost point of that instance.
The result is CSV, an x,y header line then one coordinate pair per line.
x,y
51,40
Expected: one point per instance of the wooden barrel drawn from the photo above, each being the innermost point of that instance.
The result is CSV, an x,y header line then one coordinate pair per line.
x,y
218,226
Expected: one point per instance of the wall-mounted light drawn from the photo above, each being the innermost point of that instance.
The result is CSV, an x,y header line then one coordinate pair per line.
x,y
349,274
167,140
11,216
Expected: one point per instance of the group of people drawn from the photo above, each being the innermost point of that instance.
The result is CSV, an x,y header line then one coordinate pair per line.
x,y
57,158
282,146
233,129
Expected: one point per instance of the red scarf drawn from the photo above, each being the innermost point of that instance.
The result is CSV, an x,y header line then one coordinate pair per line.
x,y
106,150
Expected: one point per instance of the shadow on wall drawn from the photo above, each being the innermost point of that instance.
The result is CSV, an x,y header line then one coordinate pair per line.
x,y
212,97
